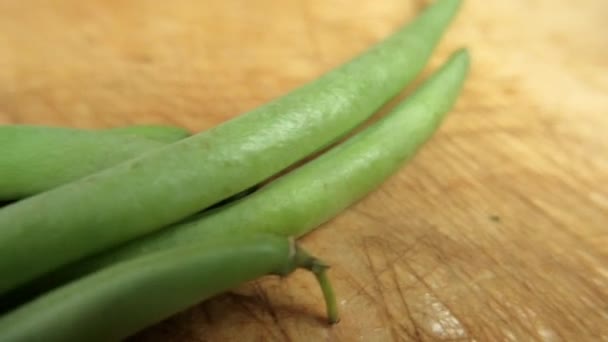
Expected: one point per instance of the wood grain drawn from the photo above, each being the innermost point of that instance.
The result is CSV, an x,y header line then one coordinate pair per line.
x,y
497,231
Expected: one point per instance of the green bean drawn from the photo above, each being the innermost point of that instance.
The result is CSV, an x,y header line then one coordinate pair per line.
x,y
162,133
118,301
163,186
317,191
38,158
305,198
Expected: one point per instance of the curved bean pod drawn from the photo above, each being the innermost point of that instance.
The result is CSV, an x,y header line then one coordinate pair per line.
x,y
34,159
163,186
297,202
118,301
301,200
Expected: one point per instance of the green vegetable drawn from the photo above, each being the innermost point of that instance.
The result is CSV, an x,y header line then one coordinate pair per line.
x,y
38,158
162,133
118,301
163,186
317,191
312,194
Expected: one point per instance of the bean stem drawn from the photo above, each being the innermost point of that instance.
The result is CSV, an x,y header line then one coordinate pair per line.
x,y
319,269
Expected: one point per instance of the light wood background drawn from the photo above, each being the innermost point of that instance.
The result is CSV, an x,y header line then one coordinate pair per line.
x,y
497,231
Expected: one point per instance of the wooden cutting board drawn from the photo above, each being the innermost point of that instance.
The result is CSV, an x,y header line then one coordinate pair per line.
x,y
497,231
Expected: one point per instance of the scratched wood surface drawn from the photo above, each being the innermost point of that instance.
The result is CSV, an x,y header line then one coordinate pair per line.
x,y
498,230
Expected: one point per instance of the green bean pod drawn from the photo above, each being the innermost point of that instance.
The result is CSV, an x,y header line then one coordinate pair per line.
x,y
34,159
118,301
163,186
161,133
317,191
299,201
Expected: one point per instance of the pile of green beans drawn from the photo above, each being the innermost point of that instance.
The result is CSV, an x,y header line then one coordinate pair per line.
x,y
167,184
124,229
310,195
